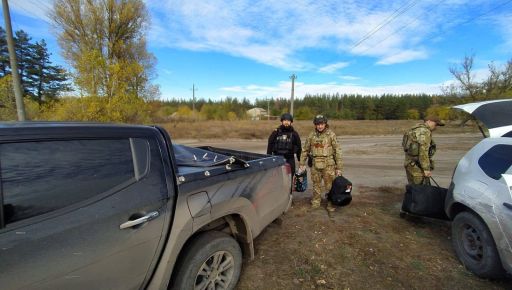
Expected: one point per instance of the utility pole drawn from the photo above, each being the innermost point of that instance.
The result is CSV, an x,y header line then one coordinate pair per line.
x,y
194,89
268,109
20,108
292,77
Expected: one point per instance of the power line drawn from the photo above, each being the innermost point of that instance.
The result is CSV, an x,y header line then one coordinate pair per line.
x,y
398,29
456,24
401,10
40,5
485,13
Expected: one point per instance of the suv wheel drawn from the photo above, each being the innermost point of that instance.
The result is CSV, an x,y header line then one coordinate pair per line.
x,y
212,261
475,246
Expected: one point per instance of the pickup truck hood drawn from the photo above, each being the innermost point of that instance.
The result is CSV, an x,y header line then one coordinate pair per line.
x,y
495,115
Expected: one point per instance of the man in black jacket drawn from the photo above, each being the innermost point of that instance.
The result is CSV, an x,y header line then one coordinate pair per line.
x,y
285,141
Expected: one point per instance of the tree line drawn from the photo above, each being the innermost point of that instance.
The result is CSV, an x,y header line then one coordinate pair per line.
x,y
334,106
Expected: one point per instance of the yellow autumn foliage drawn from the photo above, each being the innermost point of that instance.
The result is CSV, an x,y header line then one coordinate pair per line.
x,y
118,109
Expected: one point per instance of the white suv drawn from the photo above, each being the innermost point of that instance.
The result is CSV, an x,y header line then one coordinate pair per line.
x,y
479,199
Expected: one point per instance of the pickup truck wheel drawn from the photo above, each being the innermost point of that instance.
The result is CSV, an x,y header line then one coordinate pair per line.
x,y
212,261
475,247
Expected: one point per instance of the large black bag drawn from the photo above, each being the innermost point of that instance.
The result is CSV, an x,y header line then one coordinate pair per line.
x,y
341,191
425,200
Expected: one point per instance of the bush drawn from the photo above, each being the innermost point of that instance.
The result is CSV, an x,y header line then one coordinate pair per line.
x,y
413,114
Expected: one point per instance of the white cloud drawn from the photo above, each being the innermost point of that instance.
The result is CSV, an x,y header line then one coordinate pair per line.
x,y
254,91
481,74
504,23
277,33
350,78
402,56
333,67
282,90
166,71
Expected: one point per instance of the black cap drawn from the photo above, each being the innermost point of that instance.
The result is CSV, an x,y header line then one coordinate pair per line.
x,y
287,116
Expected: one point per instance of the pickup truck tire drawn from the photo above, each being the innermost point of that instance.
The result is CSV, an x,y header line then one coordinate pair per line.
x,y
475,247
213,260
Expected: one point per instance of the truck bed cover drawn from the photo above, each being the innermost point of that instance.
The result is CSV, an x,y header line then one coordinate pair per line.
x,y
196,163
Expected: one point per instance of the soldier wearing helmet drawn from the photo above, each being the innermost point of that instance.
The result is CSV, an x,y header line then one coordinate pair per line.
x,y
324,149
285,141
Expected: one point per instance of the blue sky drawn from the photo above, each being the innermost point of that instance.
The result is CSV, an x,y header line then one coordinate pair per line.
x,y
244,48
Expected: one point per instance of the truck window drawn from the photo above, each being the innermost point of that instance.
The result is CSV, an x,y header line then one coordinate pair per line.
x,y
39,177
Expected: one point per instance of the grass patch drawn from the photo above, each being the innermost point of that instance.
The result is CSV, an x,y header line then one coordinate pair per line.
x,y
245,129
300,273
422,234
417,265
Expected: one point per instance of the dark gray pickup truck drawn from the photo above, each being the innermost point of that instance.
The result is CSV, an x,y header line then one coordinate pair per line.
x,y
99,206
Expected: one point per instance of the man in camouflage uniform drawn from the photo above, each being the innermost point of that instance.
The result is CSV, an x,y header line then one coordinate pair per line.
x,y
323,147
418,156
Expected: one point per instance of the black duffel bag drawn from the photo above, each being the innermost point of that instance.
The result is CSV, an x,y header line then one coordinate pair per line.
x,y
425,200
341,191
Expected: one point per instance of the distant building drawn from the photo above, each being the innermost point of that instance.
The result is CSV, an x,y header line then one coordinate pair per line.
x,y
257,113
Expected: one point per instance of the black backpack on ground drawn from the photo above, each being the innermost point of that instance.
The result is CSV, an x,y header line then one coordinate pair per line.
x,y
341,191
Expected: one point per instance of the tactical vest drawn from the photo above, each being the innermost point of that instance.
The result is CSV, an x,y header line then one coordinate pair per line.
x,y
411,145
321,145
410,142
283,144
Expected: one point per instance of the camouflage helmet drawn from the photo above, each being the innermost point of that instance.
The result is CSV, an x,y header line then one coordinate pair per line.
x,y
287,116
319,119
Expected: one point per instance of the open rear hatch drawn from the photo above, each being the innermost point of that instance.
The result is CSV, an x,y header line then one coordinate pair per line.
x,y
495,115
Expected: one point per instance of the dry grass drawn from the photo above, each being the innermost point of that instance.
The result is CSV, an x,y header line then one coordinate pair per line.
x,y
362,246
261,129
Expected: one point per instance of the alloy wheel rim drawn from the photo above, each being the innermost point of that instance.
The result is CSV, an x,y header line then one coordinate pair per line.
x,y
216,272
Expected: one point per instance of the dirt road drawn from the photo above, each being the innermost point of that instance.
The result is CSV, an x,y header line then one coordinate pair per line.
x,y
374,160
364,245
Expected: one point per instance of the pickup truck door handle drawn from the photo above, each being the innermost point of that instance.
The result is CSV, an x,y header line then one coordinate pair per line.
x,y
139,221
508,205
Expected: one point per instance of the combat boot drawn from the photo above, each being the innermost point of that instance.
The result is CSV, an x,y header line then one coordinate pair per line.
x,y
330,207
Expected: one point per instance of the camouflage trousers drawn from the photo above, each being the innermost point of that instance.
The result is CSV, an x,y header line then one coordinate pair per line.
x,y
326,175
415,174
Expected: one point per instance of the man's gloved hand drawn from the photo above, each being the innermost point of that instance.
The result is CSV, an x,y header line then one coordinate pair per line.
x,y
338,172
302,168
